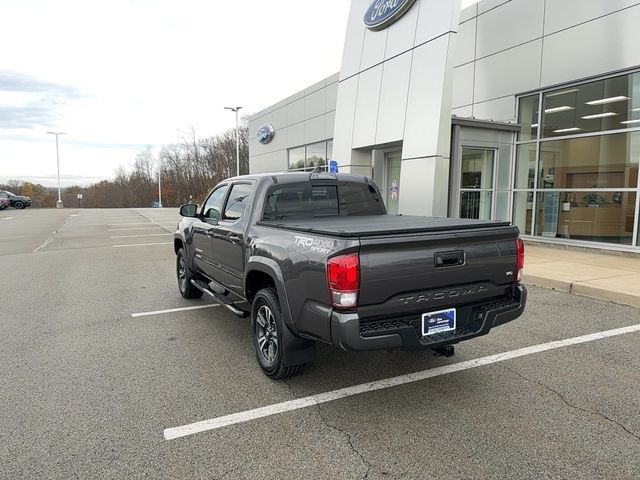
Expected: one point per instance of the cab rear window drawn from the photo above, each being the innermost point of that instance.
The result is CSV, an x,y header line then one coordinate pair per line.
x,y
307,200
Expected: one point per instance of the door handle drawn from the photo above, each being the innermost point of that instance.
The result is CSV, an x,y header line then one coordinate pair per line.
x,y
234,239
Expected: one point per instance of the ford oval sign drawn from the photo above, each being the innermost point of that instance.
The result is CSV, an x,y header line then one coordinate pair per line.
x,y
383,13
266,133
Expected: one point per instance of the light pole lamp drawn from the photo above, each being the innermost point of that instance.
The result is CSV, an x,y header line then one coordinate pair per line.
x,y
57,134
236,110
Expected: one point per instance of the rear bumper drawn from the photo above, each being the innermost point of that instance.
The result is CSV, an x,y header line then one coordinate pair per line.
x,y
403,333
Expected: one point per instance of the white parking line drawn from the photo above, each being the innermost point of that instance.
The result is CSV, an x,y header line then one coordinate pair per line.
x,y
7,218
144,235
141,244
172,310
134,228
125,224
248,415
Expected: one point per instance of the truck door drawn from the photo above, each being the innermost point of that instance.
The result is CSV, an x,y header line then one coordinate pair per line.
x,y
203,231
228,241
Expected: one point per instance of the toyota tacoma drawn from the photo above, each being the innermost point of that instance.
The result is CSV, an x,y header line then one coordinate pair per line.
x,y
314,257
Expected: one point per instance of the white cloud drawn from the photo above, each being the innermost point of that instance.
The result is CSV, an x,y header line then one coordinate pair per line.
x,y
144,69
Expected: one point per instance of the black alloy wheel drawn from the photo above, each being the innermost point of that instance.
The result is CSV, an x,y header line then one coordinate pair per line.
x,y
267,335
267,332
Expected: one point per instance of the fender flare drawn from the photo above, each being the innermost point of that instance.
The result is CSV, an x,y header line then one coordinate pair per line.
x,y
271,268
298,350
185,245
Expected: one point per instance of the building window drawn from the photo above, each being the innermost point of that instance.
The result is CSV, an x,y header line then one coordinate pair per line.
x,y
576,177
296,158
310,157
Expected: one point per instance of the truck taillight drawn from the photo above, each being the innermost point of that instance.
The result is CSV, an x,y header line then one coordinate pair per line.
x,y
520,261
343,274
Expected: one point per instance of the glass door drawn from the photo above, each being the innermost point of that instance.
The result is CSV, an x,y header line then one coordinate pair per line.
x,y
477,183
393,163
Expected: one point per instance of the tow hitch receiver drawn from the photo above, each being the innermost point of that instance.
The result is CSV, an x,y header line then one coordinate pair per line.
x,y
446,351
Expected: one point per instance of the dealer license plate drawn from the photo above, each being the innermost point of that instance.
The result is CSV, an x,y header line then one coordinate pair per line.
x,y
438,322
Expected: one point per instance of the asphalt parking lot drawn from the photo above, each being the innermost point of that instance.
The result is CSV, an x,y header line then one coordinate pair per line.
x,y
94,380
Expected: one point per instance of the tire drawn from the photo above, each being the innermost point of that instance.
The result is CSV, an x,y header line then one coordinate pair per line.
x,y
184,276
267,329
19,205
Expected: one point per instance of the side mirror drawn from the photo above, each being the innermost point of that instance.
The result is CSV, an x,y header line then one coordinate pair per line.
x,y
212,216
190,210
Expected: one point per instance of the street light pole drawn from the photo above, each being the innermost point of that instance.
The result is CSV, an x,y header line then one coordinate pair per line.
x,y
236,110
159,190
57,134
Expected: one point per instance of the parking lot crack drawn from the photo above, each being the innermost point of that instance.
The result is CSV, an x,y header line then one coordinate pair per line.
x,y
349,439
572,406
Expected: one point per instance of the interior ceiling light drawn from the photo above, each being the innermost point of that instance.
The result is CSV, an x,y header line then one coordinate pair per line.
x,y
565,130
630,121
564,108
636,110
603,101
563,92
600,115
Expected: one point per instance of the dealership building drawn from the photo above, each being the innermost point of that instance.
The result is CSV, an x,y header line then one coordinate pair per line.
x,y
521,110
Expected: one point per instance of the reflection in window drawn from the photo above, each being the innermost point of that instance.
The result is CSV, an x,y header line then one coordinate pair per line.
x,y
523,211
525,166
528,117
310,157
316,155
609,104
237,202
296,158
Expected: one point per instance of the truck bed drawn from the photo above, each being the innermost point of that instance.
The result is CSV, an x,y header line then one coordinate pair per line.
x,y
375,225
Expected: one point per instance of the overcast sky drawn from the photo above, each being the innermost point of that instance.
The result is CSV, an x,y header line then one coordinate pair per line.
x,y
117,75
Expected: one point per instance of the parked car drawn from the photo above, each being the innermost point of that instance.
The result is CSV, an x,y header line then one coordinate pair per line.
x,y
4,201
17,201
315,257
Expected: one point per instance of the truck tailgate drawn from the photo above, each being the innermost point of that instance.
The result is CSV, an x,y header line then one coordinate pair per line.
x,y
425,272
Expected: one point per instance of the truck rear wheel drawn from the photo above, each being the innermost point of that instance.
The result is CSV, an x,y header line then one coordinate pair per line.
x,y
267,328
185,275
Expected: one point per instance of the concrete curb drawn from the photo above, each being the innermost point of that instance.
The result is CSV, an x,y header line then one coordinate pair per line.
x,y
583,289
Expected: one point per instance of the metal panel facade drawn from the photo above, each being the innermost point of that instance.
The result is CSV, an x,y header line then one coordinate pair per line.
x,y
602,45
398,86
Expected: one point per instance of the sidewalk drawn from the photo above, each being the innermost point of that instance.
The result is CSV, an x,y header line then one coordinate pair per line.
x,y
607,277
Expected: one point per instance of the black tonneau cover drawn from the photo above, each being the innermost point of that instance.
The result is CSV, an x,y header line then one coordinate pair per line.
x,y
372,225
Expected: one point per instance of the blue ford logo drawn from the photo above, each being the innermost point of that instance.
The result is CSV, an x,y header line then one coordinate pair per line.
x,y
265,134
383,13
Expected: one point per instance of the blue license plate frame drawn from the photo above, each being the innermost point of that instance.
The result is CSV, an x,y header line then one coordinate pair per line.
x,y
440,321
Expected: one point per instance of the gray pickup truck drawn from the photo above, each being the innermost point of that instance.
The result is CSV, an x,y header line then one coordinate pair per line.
x,y
314,257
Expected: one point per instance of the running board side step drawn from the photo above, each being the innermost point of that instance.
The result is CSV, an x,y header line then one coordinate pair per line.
x,y
218,297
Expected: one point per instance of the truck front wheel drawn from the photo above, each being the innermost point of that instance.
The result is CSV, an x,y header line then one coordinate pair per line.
x,y
267,329
185,275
